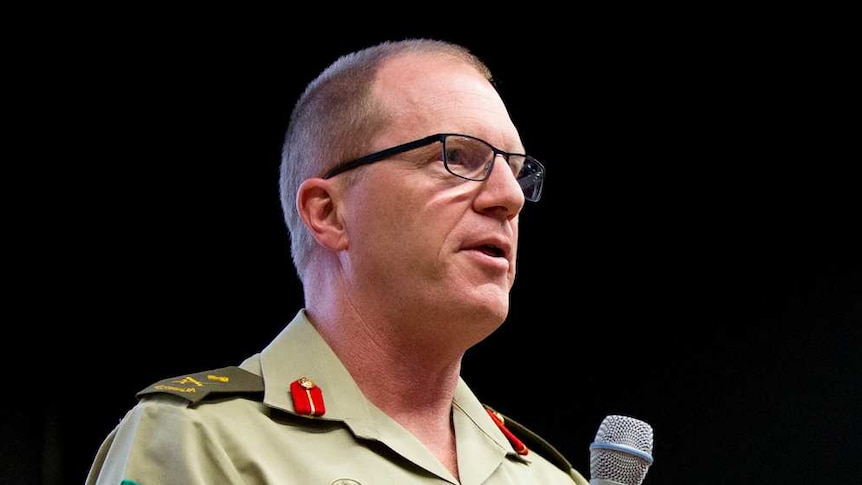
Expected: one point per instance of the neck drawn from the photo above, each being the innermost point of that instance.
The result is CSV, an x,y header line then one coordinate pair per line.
x,y
399,375
410,382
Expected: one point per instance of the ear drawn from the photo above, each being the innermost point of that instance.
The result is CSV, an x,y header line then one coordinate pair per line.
x,y
317,203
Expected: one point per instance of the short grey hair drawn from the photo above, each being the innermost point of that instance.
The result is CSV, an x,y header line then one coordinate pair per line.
x,y
336,117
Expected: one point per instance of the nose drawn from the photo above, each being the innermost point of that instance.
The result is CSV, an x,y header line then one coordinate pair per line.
x,y
501,189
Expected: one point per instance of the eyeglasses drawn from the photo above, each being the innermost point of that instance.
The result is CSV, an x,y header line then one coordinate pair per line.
x,y
467,157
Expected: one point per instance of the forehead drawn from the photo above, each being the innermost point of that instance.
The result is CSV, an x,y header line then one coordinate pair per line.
x,y
430,93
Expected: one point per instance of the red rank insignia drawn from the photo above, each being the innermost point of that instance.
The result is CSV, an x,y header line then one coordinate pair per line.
x,y
518,445
307,397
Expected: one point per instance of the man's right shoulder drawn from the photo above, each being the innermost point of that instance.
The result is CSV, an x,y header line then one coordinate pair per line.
x,y
217,383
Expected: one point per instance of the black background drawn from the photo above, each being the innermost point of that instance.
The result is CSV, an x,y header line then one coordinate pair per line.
x,y
693,262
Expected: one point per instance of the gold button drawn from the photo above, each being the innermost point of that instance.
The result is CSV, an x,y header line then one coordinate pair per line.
x,y
306,382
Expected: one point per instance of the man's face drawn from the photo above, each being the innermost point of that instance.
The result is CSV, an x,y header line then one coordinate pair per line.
x,y
432,243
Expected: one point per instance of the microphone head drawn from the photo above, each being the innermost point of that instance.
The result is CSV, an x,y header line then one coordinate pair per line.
x,y
621,451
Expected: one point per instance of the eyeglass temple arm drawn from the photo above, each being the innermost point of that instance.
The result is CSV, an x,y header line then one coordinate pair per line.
x,y
377,156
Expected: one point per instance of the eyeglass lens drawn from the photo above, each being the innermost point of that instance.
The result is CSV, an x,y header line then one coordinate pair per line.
x,y
473,159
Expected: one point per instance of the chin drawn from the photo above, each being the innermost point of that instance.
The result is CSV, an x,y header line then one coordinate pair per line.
x,y
488,314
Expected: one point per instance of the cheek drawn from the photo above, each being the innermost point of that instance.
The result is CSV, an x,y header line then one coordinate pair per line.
x,y
404,220
383,218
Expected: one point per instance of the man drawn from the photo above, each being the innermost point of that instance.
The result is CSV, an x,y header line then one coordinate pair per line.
x,y
402,179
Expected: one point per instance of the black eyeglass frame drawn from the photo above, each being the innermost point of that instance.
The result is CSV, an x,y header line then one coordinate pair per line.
x,y
440,137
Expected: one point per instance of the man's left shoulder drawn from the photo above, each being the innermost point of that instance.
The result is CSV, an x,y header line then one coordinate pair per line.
x,y
524,440
222,382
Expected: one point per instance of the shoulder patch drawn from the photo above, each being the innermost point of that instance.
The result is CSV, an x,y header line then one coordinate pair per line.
x,y
222,382
524,439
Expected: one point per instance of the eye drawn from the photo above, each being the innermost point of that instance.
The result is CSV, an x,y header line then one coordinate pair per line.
x,y
466,156
516,163
456,155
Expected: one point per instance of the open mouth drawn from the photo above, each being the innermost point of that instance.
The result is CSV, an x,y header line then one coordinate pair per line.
x,y
491,250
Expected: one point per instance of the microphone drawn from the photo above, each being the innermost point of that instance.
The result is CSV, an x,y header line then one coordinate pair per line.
x,y
621,452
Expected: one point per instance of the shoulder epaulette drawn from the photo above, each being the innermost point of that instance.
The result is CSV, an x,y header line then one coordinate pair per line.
x,y
223,382
523,439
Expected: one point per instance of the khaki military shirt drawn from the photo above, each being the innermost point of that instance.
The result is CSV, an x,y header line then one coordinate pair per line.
x,y
248,438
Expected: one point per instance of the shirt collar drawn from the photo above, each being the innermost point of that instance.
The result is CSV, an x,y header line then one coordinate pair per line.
x,y
300,351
